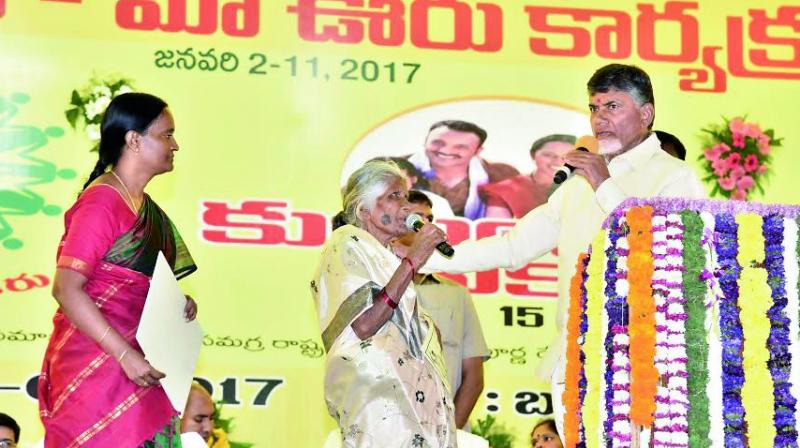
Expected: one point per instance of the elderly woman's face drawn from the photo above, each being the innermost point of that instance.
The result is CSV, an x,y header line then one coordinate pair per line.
x,y
386,219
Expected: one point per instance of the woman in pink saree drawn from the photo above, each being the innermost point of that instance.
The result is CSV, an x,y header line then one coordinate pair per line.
x,y
96,389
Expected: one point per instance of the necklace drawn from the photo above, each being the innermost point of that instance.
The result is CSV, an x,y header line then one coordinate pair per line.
x,y
130,198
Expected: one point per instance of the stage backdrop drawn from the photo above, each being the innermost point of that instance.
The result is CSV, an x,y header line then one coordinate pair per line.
x,y
277,101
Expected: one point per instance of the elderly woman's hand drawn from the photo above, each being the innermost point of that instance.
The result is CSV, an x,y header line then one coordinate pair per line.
x,y
425,242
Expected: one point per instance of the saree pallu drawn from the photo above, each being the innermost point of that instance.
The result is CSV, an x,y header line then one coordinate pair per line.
x,y
386,390
85,398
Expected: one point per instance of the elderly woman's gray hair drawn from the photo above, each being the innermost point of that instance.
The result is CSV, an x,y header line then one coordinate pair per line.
x,y
365,185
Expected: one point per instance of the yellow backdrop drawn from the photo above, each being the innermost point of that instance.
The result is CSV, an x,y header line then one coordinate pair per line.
x,y
277,101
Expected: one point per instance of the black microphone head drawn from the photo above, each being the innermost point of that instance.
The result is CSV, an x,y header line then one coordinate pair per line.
x,y
446,249
560,176
414,222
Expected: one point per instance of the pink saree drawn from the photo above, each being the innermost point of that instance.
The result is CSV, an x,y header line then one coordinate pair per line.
x,y
85,398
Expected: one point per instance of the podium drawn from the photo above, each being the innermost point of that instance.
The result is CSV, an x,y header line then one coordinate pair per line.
x,y
683,328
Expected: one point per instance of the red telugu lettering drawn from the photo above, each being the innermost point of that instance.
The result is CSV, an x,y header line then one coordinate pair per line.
x,y
462,25
787,16
619,31
697,78
533,272
245,12
386,25
673,11
262,223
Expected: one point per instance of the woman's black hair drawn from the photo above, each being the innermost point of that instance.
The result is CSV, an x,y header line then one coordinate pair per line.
x,y
127,112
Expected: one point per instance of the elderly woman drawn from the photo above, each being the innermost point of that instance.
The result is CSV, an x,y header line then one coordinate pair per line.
x,y
384,373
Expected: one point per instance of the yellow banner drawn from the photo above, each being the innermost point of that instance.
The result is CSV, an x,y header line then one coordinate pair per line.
x,y
277,102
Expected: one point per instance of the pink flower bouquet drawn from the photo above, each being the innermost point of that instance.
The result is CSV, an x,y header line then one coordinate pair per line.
x,y
736,157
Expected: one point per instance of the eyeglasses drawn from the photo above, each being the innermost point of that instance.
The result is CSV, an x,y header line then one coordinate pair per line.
x,y
6,443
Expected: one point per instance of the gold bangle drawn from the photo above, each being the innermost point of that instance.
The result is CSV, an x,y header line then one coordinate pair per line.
x,y
105,333
125,352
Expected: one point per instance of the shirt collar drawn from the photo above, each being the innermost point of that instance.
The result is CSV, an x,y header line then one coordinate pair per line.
x,y
638,156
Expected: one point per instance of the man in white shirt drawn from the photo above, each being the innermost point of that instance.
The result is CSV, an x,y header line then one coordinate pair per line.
x,y
630,164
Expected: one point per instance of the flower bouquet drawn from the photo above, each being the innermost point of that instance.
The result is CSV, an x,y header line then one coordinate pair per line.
x,y
737,157
88,104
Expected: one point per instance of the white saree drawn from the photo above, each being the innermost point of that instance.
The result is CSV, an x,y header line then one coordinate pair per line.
x,y
387,390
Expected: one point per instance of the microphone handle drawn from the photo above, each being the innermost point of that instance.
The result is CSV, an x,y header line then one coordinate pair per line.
x,y
444,247
566,170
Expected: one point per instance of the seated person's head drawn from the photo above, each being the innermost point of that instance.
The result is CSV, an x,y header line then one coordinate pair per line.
x,y
671,145
199,414
548,153
9,431
545,435
419,203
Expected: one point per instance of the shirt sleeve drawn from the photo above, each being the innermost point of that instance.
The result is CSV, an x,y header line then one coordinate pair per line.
x,y
91,231
532,236
609,195
474,344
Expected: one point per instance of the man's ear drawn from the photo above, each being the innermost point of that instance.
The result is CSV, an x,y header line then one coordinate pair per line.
x,y
478,151
648,113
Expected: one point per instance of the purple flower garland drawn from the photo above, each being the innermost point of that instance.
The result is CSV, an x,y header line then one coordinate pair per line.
x,y
780,361
617,344
731,332
617,311
584,328
677,205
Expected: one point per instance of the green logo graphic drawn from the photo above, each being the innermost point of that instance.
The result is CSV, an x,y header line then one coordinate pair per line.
x,y
21,171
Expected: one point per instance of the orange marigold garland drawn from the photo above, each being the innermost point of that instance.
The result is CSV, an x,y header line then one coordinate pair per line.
x,y
642,327
571,395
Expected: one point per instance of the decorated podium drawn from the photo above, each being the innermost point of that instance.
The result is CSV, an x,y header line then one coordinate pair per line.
x,y
683,328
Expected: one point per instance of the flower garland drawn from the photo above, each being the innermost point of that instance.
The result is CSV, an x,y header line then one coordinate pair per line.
x,y
756,301
671,425
792,282
697,348
701,259
714,297
617,375
780,358
733,411
574,366
661,291
644,376
593,342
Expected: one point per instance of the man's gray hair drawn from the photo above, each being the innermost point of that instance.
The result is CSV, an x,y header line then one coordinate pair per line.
x,y
365,185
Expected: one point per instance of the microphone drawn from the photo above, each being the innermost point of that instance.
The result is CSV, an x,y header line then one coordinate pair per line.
x,y
586,143
414,222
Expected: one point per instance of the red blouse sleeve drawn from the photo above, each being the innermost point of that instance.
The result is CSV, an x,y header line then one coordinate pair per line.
x,y
92,226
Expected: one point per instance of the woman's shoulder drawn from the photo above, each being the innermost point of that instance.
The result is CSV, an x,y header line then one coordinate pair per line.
x,y
347,234
102,196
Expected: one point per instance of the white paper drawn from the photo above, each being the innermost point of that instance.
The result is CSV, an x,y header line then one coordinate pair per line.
x,y
170,344
192,440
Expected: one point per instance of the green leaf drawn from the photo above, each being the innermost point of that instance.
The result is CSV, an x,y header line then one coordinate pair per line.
x,y
76,99
72,116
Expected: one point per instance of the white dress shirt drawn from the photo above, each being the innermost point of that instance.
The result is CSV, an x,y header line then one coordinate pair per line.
x,y
569,221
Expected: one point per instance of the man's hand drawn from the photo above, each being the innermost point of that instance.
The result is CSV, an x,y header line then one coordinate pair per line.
x,y
589,165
